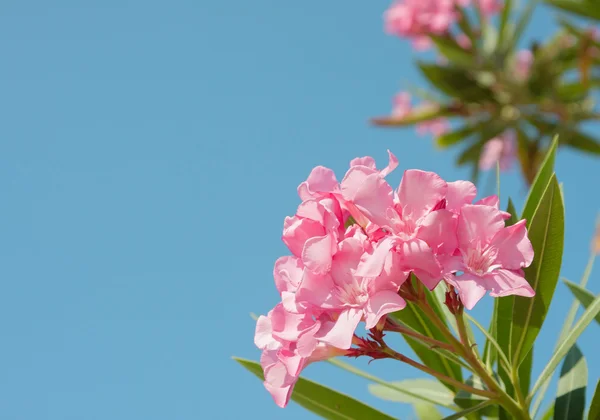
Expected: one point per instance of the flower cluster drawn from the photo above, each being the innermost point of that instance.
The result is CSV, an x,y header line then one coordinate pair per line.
x,y
418,19
355,242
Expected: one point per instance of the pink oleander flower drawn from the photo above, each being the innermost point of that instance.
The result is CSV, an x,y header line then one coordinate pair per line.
x,y
501,149
437,127
417,19
289,345
491,256
523,62
490,7
402,107
464,41
348,298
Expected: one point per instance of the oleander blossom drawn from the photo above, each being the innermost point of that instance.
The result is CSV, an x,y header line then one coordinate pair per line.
x,y
501,149
417,20
402,108
353,245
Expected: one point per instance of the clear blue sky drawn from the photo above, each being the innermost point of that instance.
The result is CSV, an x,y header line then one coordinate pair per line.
x,y
149,152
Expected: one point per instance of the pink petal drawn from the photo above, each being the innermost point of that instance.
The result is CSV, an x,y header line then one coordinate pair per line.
x,y
470,288
419,258
317,254
508,282
478,224
370,193
514,248
459,193
372,266
281,395
380,304
339,333
320,180
393,164
263,335
438,229
367,161
297,230
419,192
287,273
316,289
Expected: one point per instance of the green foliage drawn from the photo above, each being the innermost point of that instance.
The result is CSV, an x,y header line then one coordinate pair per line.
x,y
413,391
570,397
585,297
594,412
323,401
584,8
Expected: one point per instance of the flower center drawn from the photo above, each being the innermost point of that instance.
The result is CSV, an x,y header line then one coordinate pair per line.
x,y
480,259
352,293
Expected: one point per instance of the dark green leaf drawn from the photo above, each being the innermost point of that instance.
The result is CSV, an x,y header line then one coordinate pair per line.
x,y
584,8
455,82
581,141
415,116
504,18
546,233
570,397
584,296
323,401
525,373
452,51
594,412
455,136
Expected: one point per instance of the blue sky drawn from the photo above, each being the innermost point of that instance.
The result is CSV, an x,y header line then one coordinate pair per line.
x,y
149,152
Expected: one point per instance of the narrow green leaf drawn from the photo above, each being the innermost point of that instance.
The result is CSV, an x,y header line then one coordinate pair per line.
x,y
546,233
455,82
427,412
415,116
510,208
412,391
473,409
456,136
584,8
452,51
590,313
489,337
323,401
570,397
564,331
594,412
581,141
408,391
540,182
414,318
440,296
504,18
584,296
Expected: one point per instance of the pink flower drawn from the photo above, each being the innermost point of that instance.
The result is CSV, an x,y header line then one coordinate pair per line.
x,y
402,105
437,127
490,7
523,62
491,256
500,149
403,108
416,223
416,19
464,41
348,298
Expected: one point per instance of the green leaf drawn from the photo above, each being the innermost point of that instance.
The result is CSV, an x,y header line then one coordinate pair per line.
x,y
581,141
510,208
412,391
525,373
323,401
504,18
585,8
590,313
427,412
594,412
455,82
452,51
570,397
465,399
455,136
584,296
440,297
460,415
546,233
540,182
417,115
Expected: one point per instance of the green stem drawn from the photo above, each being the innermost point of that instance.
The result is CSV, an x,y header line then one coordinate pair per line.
x,y
402,358
392,326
